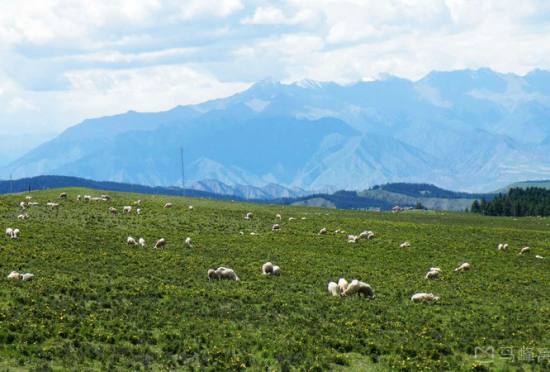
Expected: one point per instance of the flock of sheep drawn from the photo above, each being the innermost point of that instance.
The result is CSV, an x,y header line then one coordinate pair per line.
x,y
341,289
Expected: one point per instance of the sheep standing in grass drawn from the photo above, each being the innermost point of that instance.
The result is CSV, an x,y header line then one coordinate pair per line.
x,y
23,216
32,204
127,209
464,267
278,216
27,276
223,273
333,289
352,238
28,197
137,202
113,210
276,270
105,197
359,288
141,242
502,247
190,208
189,242
291,219
52,205
131,241
160,243
9,232
343,284
433,273
267,268
168,205
248,216
15,234
539,257
87,198
323,231
424,297
138,211
23,205
366,235
405,245
78,198
275,227
524,250
63,195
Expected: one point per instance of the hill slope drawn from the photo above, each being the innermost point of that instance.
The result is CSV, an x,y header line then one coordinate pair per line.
x,y
98,303
470,130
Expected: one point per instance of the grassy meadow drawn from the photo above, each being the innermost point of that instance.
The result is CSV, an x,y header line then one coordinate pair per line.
x,y
98,304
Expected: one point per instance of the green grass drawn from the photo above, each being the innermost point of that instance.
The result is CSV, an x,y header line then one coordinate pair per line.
x,y
97,303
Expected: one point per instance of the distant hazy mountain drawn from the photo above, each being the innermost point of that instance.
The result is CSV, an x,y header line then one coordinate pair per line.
x,y
470,130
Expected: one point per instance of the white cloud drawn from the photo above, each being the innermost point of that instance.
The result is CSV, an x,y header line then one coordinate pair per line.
x,y
270,15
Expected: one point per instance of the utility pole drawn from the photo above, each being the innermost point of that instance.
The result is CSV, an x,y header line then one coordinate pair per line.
x,y
182,173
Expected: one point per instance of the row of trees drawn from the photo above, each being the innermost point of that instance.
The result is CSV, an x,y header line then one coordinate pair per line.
x,y
532,201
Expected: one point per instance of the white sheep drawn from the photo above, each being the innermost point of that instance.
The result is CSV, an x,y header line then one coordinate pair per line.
x,y
359,288
131,241
23,205
32,204
52,205
352,238
333,289
127,209
278,216
291,219
14,275
9,232
276,270
63,195
366,235
141,242
28,197
105,197
160,243
424,297
342,284
433,274
502,247
138,211
189,242
78,197
168,205
27,276
113,210
15,234
275,227
464,267
190,208
539,257
524,250
405,245
323,231
87,198
137,202
23,216
267,268
223,273
248,216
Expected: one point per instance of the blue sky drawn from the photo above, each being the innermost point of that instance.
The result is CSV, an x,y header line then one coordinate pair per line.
x,y
62,61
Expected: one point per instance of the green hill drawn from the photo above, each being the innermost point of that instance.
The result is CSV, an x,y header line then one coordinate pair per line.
x,y
525,184
98,304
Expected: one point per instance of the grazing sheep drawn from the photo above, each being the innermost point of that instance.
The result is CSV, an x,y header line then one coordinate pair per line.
x,y
113,210
63,195
168,205
78,198
464,267
275,227
405,245
23,216
189,242
343,284
366,235
9,232
87,198
253,233
223,273
141,242
276,270
160,243
291,218
127,209
14,275
539,257
424,297
524,250
502,247
433,274
278,216
267,268
359,288
23,205
190,208
333,289
323,231
105,197
248,216
137,202
131,241
32,204
352,238
15,234
28,197
138,211
52,205
27,276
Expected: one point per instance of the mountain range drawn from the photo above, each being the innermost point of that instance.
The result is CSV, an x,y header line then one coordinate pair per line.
x,y
474,130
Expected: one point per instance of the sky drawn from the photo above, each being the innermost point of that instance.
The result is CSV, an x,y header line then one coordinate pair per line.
x,y
62,61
